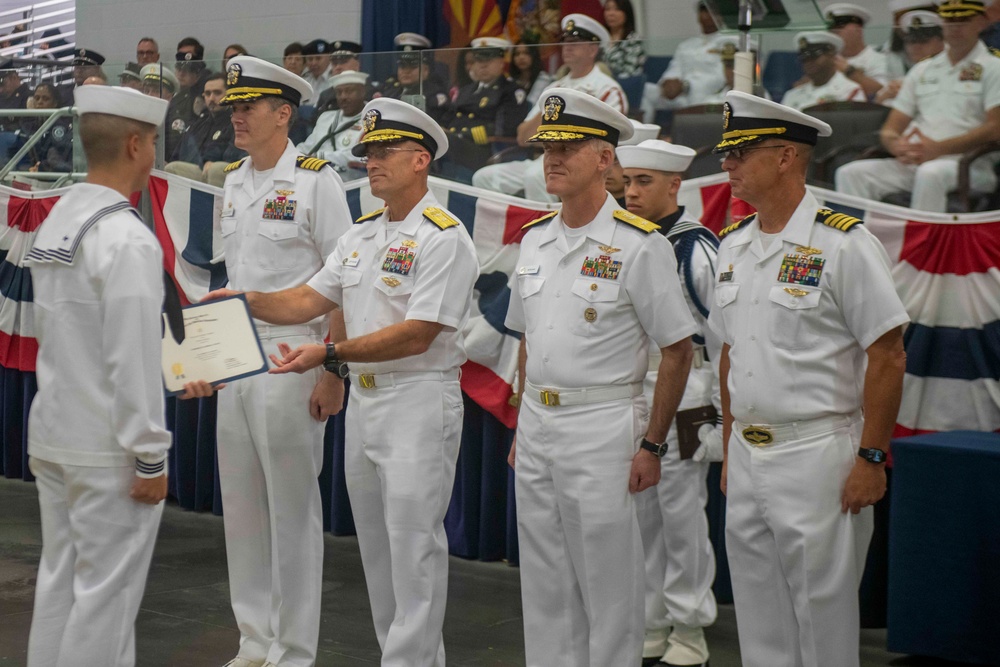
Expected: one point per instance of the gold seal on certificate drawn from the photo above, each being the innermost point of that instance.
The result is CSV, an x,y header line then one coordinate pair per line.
x,y
220,344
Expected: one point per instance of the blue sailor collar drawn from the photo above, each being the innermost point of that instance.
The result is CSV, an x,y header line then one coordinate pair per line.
x,y
60,235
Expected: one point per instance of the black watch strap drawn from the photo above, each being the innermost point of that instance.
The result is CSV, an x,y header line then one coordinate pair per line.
x,y
872,455
658,450
331,364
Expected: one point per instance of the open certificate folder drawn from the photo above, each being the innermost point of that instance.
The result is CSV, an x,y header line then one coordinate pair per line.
x,y
220,345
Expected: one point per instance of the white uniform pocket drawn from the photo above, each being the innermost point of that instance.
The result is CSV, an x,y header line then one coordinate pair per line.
x,y
278,245
725,298
600,297
530,289
793,318
349,281
391,308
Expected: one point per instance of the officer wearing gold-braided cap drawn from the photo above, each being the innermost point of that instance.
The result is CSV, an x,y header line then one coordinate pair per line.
x,y
282,215
811,327
593,287
403,276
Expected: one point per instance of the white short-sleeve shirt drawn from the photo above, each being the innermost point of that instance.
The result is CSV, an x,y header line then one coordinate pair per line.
x,y
838,89
414,271
589,308
799,316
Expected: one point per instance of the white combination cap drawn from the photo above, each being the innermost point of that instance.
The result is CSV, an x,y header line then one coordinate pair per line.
x,y
584,28
657,155
385,120
123,102
748,119
846,11
157,73
249,78
570,115
641,132
808,41
348,77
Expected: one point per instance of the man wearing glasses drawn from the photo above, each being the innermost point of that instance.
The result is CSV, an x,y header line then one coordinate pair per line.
x,y
811,327
403,276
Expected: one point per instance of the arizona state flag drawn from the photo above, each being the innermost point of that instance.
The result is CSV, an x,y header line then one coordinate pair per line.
x,y
472,18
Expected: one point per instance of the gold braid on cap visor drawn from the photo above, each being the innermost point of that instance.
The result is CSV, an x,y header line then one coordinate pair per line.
x,y
566,133
249,93
390,135
743,137
960,10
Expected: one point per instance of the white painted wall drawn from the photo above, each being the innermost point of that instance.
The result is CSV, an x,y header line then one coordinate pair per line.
x,y
113,27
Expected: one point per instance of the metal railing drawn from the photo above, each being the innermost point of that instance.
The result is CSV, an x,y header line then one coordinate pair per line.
x,y
29,25
60,178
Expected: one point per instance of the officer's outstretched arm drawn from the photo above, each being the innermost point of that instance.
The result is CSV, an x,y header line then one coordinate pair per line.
x,y
291,306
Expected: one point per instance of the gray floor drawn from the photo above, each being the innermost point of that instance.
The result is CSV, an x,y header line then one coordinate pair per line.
x,y
186,619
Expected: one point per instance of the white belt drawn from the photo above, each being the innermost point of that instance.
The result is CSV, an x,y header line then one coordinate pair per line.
x,y
765,435
386,380
555,397
265,331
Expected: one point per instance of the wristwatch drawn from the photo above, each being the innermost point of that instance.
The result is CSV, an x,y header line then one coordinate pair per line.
x,y
850,71
334,365
657,450
872,455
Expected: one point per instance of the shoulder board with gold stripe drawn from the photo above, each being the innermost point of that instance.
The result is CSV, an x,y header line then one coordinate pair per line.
x,y
370,216
736,225
538,221
632,219
233,166
310,163
839,221
440,217
995,51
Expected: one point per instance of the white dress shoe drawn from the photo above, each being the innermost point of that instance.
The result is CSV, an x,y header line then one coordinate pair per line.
x,y
244,662
686,647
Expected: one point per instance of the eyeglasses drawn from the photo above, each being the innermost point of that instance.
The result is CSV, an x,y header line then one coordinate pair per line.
x,y
739,154
382,152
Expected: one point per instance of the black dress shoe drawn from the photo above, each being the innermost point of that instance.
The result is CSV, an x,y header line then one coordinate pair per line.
x,y
650,662
669,664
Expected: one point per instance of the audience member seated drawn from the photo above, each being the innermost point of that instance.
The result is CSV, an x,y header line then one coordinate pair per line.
x,y
54,149
317,69
492,105
414,77
191,72
293,60
824,83
338,131
693,73
922,38
86,63
130,77
528,73
991,35
343,58
946,106
147,51
160,81
896,61
14,94
582,40
727,46
232,51
625,54
100,79
858,61
207,146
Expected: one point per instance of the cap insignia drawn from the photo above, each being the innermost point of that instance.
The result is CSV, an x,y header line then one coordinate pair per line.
x,y
553,107
233,74
570,25
371,119
803,43
727,113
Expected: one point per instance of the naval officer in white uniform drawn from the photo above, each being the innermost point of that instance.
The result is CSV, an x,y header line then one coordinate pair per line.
x,y
282,216
593,285
812,335
403,276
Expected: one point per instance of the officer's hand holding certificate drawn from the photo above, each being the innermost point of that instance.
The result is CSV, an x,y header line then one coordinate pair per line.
x,y
220,344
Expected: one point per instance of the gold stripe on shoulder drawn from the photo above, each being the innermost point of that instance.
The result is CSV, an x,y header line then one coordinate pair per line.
x,y
736,225
310,163
440,217
840,221
538,221
370,216
233,166
621,215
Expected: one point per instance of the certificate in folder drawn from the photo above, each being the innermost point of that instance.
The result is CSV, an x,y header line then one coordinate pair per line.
x,y
220,345
688,423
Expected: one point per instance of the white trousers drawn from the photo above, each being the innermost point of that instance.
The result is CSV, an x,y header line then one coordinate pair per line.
x,y
580,549
513,177
401,451
270,454
680,561
96,547
796,560
929,183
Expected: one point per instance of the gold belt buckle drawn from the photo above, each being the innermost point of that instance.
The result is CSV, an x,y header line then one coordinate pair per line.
x,y
367,380
758,436
549,397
